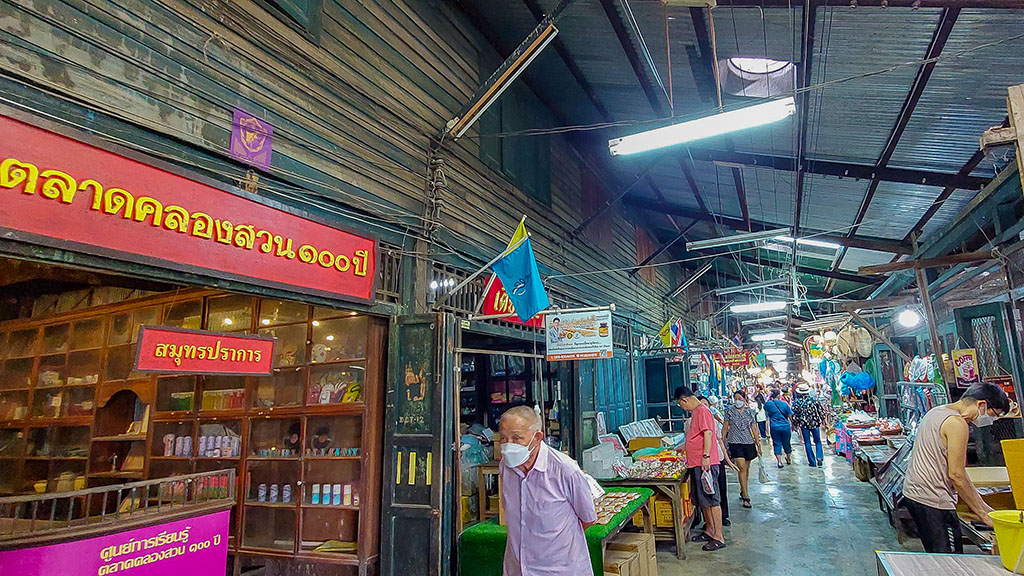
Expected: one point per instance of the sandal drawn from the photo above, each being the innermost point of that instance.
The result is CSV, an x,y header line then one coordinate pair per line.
x,y
702,537
746,502
713,545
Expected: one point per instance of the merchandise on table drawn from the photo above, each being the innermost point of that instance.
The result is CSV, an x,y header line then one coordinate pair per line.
x,y
611,503
647,468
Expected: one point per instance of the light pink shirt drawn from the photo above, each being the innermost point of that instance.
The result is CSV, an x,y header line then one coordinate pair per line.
x,y
543,511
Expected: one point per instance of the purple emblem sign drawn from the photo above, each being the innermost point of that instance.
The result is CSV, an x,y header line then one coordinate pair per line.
x,y
251,139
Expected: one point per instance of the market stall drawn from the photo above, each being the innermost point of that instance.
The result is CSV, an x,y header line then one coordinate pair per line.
x,y
482,546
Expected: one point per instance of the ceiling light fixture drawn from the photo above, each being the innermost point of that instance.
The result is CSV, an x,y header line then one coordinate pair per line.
x,y
750,287
735,239
908,318
689,281
809,242
773,351
503,78
779,318
758,307
707,127
766,336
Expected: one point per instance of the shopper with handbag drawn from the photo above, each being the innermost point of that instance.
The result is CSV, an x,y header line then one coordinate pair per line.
x,y
779,414
743,438
809,415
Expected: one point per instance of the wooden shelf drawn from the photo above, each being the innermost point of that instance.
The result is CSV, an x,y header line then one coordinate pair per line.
x,y
270,459
225,414
346,558
271,504
216,458
65,422
25,389
336,362
120,438
173,416
56,458
329,507
170,458
121,474
319,458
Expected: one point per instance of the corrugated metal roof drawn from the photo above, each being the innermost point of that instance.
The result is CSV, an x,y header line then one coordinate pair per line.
x,y
830,203
895,208
852,119
857,257
719,189
770,195
949,210
965,95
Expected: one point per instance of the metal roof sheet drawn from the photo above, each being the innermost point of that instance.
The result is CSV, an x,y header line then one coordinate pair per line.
x,y
895,209
965,95
830,203
947,212
852,119
857,257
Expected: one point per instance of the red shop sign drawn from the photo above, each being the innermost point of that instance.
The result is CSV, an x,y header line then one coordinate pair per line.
x,y
179,351
496,301
58,191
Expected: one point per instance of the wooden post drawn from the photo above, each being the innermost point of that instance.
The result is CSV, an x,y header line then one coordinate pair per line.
x,y
933,328
1015,107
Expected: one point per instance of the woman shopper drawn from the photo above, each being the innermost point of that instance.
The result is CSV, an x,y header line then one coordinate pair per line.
x,y
779,413
809,415
741,435
762,420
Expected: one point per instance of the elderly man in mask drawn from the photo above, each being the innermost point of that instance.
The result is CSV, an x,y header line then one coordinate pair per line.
x,y
547,501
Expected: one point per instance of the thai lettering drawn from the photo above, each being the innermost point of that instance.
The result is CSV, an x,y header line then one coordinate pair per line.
x,y
179,352
58,186
14,173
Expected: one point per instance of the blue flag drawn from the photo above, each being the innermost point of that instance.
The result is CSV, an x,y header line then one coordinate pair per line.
x,y
519,274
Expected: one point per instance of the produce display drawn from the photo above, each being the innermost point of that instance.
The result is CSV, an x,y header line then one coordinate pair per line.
x,y
611,503
890,427
647,468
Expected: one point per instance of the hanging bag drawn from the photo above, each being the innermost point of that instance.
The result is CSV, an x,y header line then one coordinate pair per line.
x,y
762,472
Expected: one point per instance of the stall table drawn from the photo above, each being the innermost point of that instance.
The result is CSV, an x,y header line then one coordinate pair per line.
x,y
482,546
921,564
672,488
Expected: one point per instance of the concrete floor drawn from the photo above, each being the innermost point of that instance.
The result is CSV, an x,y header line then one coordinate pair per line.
x,y
807,521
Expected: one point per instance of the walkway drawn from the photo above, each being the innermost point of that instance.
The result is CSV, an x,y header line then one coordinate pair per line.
x,y
807,521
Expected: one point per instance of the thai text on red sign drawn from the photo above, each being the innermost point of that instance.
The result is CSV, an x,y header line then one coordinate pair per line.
x,y
179,351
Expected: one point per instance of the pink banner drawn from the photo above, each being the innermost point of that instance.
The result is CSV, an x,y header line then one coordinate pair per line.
x,y
196,547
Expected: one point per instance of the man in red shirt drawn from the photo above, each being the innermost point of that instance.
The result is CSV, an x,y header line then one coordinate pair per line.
x,y
702,458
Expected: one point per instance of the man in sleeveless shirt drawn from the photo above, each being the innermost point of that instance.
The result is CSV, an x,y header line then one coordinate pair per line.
x,y
937,476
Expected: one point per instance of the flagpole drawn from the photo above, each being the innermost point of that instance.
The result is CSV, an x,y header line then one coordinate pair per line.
x,y
490,281
444,297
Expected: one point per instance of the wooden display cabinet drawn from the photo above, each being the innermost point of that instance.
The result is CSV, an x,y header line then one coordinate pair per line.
x,y
68,394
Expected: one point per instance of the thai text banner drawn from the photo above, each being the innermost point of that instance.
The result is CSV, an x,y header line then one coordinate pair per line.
x,y
180,351
196,546
578,335
67,194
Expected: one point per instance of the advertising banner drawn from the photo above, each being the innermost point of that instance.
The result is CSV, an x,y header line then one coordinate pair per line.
x,y
60,192
578,335
734,359
194,546
965,367
180,351
496,301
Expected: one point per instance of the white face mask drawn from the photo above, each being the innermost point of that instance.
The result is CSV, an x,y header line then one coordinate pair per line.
x,y
515,454
983,420
740,404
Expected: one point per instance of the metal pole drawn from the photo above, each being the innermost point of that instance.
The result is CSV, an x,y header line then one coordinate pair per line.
x,y
444,297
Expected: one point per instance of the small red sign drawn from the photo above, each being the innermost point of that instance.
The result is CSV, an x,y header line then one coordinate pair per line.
x,y
496,301
64,193
734,359
179,351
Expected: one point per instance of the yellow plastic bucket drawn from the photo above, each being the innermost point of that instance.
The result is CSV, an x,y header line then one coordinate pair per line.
x,y
1009,528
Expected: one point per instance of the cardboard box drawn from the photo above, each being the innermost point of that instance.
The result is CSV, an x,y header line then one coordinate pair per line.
x,y
640,544
645,442
621,563
663,513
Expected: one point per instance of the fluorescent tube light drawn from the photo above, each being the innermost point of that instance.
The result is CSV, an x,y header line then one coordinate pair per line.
x,y
735,239
765,336
754,286
459,126
686,283
809,242
773,351
707,127
763,320
758,307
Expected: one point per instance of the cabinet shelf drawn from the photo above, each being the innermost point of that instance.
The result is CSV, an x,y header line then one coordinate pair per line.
x,y
269,459
270,504
120,438
329,507
320,458
171,458
137,474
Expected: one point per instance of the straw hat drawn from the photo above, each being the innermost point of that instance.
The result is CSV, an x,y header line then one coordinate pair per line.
x,y
846,341
863,341
803,389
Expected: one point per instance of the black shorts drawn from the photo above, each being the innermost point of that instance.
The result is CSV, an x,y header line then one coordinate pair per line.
x,y
746,451
700,498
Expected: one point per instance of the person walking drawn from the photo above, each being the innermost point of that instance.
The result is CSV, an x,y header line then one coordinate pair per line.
x,y
936,478
809,415
762,420
701,457
744,441
723,455
779,413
